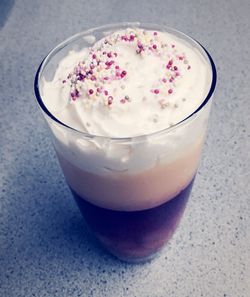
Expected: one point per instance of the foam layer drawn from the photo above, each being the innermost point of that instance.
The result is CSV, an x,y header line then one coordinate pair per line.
x,y
132,82
129,192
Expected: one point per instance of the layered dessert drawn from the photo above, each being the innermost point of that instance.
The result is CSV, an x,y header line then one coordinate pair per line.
x,y
126,147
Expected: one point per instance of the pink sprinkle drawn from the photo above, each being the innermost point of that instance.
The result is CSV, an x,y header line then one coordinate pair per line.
x,y
64,81
164,80
170,91
81,77
139,44
189,67
175,68
124,37
123,73
177,73
154,46
109,55
93,56
170,62
117,67
109,63
181,58
131,37
171,79
123,101
104,53
106,92
115,54
155,33
105,78
156,91
91,91
117,74
173,45
98,90
110,100
74,94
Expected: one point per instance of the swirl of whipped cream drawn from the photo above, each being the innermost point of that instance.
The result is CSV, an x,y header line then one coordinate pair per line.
x,y
132,82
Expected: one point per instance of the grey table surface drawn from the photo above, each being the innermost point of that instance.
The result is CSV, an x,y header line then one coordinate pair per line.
x,y
45,247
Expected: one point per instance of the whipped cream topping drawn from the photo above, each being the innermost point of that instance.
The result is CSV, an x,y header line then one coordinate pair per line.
x,y
132,82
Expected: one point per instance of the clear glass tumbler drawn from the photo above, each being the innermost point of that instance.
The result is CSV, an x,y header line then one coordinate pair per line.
x,y
132,192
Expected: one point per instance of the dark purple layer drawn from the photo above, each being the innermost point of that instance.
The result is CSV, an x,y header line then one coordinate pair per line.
x,y
135,235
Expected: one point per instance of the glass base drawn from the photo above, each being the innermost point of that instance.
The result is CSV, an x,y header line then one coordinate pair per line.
x,y
135,236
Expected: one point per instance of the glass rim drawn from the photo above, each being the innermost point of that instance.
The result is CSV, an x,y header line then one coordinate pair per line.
x,y
76,36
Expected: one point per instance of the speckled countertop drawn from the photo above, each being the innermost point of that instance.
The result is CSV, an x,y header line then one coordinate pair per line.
x,y
45,247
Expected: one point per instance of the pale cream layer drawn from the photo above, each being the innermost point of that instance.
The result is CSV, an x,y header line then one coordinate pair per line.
x,y
138,191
